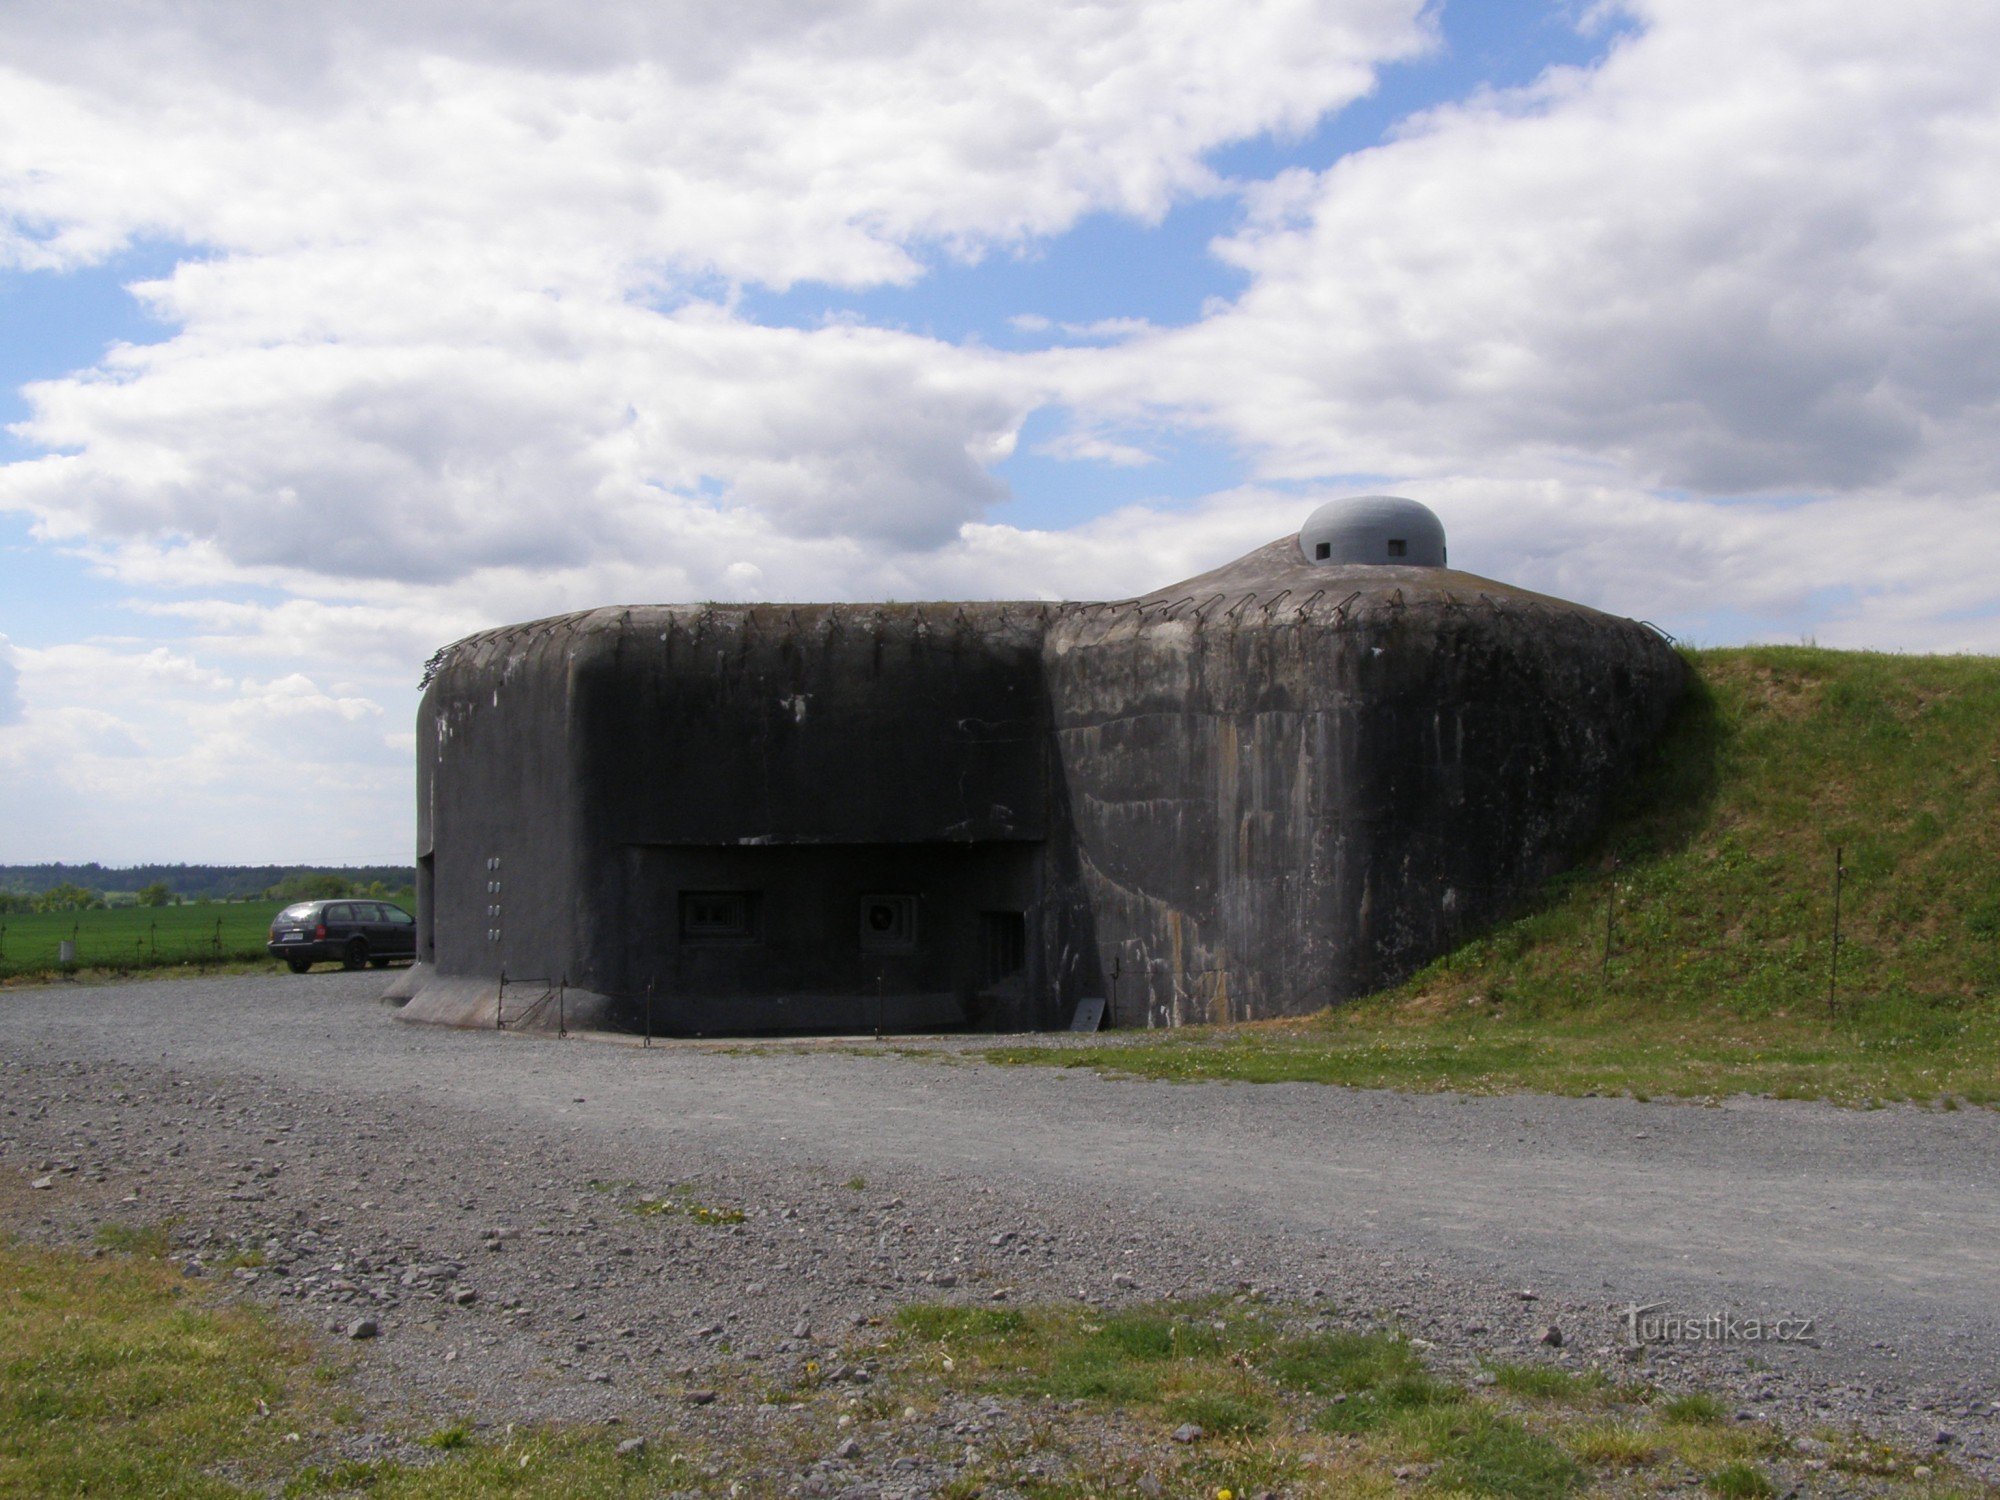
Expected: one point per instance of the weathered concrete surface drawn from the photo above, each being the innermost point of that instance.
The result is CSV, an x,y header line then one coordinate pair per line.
x,y
803,757
1295,784
1269,788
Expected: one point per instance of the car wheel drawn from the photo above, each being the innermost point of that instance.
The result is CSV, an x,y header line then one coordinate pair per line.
x,y
356,956
298,965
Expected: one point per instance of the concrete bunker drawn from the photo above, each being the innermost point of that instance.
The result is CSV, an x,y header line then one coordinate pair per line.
x,y
1272,787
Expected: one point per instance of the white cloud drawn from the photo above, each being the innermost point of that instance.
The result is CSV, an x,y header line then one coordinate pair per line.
x,y
459,337
10,685
764,141
127,746
465,297
1752,252
562,432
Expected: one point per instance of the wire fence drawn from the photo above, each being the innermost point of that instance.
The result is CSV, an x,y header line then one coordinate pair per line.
x,y
39,945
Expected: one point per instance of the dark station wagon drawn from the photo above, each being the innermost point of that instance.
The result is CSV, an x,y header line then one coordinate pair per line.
x,y
352,933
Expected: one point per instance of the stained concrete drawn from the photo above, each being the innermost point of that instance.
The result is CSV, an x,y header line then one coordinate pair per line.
x,y
1254,793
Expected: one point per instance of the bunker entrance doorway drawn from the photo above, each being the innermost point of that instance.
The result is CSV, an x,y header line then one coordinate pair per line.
x,y
834,937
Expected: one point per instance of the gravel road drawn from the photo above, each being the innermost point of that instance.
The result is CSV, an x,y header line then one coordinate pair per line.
x,y
468,1193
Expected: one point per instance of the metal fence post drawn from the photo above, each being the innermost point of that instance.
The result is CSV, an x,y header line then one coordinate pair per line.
x,y
1610,917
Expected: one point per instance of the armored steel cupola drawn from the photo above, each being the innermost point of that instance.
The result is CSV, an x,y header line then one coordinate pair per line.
x,y
1383,529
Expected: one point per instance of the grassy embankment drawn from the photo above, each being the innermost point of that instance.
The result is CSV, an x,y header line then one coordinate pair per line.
x,y
137,937
1723,892
119,1378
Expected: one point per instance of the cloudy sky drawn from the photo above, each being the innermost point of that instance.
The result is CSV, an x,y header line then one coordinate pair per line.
x,y
332,332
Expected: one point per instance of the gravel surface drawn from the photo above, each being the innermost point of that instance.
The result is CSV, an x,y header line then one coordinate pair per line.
x,y
546,1229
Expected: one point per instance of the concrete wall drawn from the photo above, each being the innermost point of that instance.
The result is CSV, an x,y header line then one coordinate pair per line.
x,y
1278,813
1252,794
806,757
498,805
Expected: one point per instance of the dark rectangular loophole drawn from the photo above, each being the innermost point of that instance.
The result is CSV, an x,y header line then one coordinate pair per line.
x,y
718,916
1398,547
1322,551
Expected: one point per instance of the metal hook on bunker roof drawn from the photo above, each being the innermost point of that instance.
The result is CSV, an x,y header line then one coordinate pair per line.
x,y
1235,611
1311,599
1275,600
1340,609
1662,632
1201,610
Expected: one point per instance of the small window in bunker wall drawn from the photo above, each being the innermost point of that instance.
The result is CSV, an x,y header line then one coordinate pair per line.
x,y
888,924
718,916
1398,547
1322,551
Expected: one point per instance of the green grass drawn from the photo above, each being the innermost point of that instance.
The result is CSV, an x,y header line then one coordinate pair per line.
x,y
1324,1412
1240,1378
1161,1361
119,1378
1696,1410
555,1463
1722,893
137,937
1741,1481
152,1241
113,1380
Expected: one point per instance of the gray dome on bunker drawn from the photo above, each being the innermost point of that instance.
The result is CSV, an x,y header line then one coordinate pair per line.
x,y
1373,529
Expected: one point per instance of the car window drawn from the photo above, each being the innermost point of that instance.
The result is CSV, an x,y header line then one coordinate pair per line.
x,y
398,916
340,911
297,913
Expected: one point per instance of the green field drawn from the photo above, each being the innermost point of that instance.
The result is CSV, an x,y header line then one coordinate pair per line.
x,y
1719,909
129,937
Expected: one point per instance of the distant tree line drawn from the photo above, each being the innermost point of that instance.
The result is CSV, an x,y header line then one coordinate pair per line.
x,y
60,887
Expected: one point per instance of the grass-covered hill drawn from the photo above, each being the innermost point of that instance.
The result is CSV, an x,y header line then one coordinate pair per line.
x,y
1718,877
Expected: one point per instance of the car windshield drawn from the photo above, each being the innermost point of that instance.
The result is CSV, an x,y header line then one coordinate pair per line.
x,y
296,913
